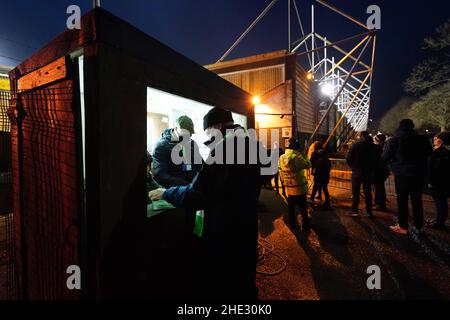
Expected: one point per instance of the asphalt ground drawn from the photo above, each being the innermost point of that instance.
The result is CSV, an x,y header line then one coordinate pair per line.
x,y
331,260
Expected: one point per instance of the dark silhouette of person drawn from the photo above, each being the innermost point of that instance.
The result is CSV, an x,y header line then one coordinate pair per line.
x,y
439,180
361,159
381,174
406,153
321,167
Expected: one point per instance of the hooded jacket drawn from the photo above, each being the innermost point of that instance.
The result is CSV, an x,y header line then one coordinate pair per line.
x,y
167,173
292,165
406,153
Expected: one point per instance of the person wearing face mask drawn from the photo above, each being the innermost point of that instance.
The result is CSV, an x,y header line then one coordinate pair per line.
x,y
168,173
439,180
226,195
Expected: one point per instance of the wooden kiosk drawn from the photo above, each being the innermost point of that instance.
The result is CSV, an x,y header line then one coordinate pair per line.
x,y
78,115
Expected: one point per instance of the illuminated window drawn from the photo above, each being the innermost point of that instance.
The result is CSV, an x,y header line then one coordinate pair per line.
x,y
164,108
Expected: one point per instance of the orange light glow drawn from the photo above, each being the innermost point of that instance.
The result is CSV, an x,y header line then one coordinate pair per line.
x,y
262,108
256,100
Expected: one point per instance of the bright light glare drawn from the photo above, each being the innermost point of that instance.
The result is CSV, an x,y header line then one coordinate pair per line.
x,y
262,108
256,100
327,89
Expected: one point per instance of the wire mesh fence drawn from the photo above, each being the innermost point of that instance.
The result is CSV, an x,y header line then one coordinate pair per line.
x,y
7,245
341,178
48,191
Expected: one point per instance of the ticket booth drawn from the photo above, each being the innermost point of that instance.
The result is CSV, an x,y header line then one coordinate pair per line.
x,y
84,111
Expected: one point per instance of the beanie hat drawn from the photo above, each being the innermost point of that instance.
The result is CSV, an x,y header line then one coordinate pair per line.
x,y
216,116
294,144
380,138
184,122
406,124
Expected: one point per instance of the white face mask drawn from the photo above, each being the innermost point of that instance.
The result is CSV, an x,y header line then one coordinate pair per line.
x,y
178,132
212,131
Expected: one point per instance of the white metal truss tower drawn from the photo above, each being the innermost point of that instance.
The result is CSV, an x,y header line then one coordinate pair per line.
x,y
342,74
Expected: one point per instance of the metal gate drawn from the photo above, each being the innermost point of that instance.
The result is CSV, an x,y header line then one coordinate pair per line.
x,y
7,257
45,180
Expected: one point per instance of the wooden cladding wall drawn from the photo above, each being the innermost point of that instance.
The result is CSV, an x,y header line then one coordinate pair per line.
x,y
306,113
45,190
328,124
257,82
50,73
279,101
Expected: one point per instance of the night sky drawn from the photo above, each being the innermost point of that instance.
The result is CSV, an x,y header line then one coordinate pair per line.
x,y
204,29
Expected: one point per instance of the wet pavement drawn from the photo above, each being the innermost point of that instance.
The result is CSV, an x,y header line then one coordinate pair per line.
x,y
331,261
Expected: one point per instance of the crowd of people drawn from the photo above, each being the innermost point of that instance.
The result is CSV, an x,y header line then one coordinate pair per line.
x,y
225,195
417,166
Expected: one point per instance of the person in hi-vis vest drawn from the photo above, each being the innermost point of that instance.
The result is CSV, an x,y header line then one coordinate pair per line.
x,y
292,165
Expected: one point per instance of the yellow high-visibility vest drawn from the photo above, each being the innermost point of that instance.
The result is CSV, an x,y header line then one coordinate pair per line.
x,y
291,167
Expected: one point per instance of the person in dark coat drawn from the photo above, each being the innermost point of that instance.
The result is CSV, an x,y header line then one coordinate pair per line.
x,y
321,167
151,183
315,146
276,176
439,180
406,153
165,171
226,196
381,174
361,159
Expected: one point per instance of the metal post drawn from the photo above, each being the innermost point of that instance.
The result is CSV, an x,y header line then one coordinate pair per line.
x,y
302,31
342,13
289,25
349,54
312,39
252,25
96,3
372,65
335,46
325,56
339,84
